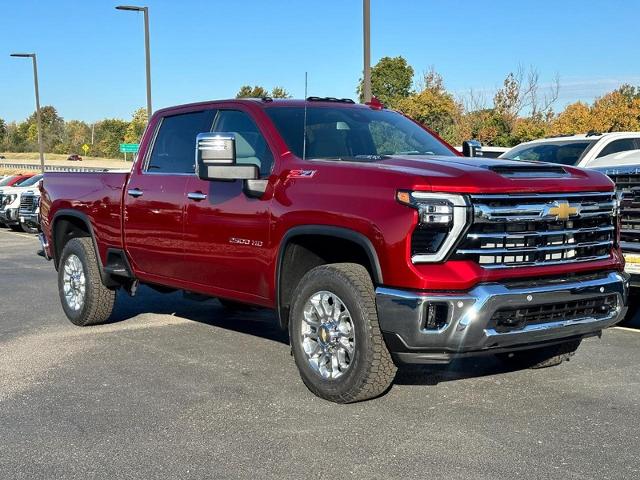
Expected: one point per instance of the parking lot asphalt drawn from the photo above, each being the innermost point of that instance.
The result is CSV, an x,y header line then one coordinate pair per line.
x,y
180,389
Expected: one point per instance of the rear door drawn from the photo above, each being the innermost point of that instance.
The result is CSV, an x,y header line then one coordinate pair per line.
x,y
155,196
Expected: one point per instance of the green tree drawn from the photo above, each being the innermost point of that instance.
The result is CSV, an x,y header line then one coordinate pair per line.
x,y
76,134
434,107
3,134
246,91
136,126
279,92
52,128
391,80
109,134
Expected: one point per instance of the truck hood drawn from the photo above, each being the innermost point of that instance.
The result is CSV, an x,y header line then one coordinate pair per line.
x,y
488,175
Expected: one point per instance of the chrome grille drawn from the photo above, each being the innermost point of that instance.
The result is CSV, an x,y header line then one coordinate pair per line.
x,y
539,229
628,184
28,203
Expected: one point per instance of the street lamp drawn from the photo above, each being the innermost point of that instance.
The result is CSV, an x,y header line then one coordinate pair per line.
x,y
35,81
144,10
366,34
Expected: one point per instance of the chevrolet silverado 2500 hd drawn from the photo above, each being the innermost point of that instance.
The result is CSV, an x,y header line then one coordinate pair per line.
x,y
374,241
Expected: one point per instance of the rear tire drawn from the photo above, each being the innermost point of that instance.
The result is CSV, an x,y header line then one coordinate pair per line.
x,y
85,300
15,227
335,336
542,357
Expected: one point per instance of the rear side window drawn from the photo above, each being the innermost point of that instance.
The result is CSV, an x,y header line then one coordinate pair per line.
x,y
621,145
174,147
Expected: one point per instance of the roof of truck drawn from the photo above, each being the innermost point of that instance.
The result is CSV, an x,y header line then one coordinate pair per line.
x,y
276,102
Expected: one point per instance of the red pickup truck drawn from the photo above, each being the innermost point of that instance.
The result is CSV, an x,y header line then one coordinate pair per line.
x,y
375,241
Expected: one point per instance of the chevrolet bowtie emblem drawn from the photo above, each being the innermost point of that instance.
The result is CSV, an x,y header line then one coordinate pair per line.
x,y
561,210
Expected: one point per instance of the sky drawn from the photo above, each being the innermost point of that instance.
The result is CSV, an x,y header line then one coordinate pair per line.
x,y
91,56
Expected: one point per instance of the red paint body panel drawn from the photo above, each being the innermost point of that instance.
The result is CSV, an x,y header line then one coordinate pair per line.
x,y
228,245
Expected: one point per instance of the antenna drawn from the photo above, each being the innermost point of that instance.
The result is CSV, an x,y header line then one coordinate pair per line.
x,y
304,124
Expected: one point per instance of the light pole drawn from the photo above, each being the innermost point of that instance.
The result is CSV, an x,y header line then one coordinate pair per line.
x,y
366,33
38,120
144,10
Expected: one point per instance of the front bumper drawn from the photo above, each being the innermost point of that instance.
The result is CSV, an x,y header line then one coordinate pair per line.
x,y
30,218
470,326
9,216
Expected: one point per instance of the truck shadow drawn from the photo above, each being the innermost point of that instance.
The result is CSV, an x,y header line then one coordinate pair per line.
x,y
257,322
262,323
481,366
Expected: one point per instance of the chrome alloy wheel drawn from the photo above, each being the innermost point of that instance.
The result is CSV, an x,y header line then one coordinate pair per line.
x,y
74,282
328,336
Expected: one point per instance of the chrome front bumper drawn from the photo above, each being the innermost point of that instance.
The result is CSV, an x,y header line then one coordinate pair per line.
x,y
468,327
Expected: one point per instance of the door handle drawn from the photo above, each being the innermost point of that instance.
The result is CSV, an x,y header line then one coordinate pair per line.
x,y
135,192
197,196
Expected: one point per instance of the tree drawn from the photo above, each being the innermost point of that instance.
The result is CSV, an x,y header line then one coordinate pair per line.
x,y
246,91
391,80
279,92
3,134
434,107
76,134
136,126
575,118
109,134
615,112
52,128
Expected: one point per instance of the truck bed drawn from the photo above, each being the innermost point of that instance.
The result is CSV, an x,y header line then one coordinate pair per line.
x,y
96,195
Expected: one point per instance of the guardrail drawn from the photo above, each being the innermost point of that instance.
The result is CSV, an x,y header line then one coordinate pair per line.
x,y
53,168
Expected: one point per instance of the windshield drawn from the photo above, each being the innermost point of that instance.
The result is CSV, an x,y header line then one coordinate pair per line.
x,y
6,181
353,133
29,181
566,153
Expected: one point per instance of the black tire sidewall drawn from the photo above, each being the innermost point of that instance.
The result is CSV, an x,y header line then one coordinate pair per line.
x,y
75,247
326,279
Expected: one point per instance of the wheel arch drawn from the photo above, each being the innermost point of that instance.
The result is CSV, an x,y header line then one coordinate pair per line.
x,y
359,249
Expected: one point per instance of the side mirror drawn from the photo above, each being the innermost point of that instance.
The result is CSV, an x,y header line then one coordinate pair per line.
x,y
472,148
216,158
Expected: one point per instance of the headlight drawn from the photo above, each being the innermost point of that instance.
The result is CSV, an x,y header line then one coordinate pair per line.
x,y
8,199
441,219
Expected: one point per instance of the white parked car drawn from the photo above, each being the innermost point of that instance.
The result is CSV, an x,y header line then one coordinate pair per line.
x,y
10,201
29,210
585,150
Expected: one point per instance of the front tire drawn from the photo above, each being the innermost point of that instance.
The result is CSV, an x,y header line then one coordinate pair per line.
x,y
85,300
335,336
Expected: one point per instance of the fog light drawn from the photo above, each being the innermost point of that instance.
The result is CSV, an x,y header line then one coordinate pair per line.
x,y
436,316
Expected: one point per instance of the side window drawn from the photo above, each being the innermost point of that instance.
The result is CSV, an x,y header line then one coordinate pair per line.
x,y
174,147
621,145
251,147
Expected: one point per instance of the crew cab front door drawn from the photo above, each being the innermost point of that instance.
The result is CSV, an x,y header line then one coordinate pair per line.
x,y
155,198
226,233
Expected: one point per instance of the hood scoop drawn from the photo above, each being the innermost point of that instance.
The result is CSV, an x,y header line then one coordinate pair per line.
x,y
530,171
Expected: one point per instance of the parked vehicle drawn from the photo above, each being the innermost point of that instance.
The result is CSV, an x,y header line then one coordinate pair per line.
x,y
630,158
74,158
374,241
578,150
29,210
627,180
14,180
10,201
489,152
